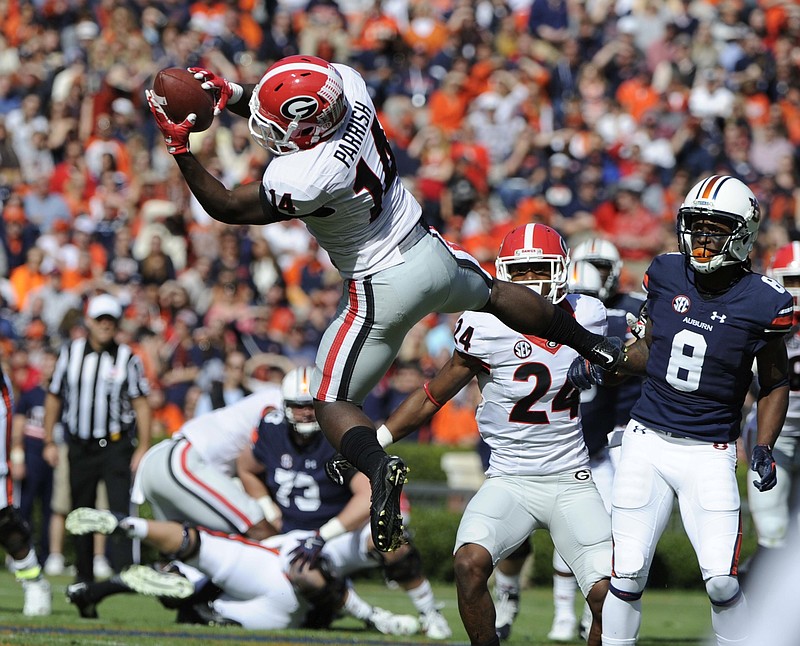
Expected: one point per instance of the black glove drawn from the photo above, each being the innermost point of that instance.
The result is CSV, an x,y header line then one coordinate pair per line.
x,y
336,469
607,354
583,374
308,552
763,464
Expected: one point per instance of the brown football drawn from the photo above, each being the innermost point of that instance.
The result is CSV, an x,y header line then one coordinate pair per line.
x,y
183,95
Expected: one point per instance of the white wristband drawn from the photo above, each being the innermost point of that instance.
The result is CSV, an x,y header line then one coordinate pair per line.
x,y
17,456
237,90
331,529
384,436
270,509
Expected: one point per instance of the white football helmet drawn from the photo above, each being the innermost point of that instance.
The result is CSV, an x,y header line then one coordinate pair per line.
x,y
604,256
786,264
295,389
297,103
536,244
721,198
584,278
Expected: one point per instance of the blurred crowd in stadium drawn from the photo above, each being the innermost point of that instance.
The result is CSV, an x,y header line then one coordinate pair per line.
x,y
594,117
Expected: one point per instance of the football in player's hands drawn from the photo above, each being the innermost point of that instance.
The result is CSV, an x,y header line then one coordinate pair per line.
x,y
177,91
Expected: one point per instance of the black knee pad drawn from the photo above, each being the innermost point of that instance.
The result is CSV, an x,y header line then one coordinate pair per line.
x,y
15,533
407,568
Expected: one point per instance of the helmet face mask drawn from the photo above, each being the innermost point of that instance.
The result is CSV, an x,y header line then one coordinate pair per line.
x,y
536,246
297,103
298,403
718,224
604,256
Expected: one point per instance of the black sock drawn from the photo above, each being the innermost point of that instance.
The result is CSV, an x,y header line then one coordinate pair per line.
x,y
360,446
492,642
102,589
564,329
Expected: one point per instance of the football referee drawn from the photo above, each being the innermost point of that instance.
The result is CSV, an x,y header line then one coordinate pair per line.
x,y
99,393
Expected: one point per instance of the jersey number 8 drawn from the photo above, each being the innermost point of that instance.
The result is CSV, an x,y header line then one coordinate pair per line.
x,y
686,361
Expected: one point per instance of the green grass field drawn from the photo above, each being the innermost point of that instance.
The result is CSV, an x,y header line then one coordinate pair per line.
x,y
670,618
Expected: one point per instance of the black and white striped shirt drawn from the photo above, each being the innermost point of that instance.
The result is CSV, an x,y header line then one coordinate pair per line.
x,y
96,390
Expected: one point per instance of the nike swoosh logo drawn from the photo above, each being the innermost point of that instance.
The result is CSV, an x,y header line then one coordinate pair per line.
x,y
608,357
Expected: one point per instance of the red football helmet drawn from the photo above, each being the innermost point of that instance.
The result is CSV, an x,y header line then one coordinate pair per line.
x,y
296,104
536,244
785,268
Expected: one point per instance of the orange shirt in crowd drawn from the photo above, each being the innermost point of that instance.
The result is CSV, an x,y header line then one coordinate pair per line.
x,y
637,97
23,282
791,119
376,30
431,40
169,417
447,109
756,109
455,425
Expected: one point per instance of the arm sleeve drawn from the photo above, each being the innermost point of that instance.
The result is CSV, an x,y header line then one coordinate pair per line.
x,y
138,385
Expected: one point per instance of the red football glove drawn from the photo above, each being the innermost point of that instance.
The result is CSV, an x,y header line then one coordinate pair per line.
x,y
176,135
222,88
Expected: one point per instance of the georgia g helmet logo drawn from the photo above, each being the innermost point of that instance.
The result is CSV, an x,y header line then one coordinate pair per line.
x,y
299,107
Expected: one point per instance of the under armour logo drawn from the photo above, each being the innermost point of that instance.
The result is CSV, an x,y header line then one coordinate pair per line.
x,y
718,317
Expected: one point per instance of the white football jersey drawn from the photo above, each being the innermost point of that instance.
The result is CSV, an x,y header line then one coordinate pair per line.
x,y
221,435
529,414
346,189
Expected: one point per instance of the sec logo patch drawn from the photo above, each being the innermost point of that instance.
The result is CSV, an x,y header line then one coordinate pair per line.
x,y
681,304
522,349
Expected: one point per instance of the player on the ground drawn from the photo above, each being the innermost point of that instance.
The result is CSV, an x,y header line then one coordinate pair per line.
x,y
334,169
710,316
262,586
287,464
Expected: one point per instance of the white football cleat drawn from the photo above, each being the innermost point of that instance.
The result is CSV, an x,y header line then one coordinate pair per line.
x,y
146,580
389,623
506,610
38,598
564,629
434,625
85,520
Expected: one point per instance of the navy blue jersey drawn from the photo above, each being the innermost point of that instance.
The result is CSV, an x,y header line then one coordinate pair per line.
x,y
607,407
31,404
703,347
296,477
